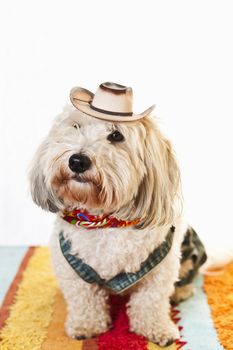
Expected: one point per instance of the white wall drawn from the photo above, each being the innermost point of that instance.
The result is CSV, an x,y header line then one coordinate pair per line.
x,y
177,54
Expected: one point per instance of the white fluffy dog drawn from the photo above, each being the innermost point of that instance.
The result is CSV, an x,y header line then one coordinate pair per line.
x,y
129,172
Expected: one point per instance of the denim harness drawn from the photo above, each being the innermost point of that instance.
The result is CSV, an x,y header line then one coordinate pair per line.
x,y
123,280
191,249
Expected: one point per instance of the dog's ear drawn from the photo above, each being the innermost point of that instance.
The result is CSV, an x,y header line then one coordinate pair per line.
x,y
41,195
161,183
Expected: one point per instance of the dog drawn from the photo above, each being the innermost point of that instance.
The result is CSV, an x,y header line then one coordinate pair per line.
x,y
113,180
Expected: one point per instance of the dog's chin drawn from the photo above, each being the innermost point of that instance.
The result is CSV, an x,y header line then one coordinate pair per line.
x,y
79,191
83,190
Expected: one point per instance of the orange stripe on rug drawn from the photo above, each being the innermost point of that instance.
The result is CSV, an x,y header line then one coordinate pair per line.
x,y
10,295
90,344
219,290
30,315
56,337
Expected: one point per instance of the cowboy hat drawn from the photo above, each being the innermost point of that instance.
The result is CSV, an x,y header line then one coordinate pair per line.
x,y
110,102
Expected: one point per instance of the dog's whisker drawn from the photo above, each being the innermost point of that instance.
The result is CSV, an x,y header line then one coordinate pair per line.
x,y
57,158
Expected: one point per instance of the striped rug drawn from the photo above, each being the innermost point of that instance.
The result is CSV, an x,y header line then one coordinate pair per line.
x,y
32,310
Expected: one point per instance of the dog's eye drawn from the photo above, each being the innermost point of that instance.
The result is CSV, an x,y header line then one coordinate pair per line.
x,y
76,126
115,136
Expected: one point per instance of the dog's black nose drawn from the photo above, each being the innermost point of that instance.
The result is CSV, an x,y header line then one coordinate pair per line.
x,y
79,163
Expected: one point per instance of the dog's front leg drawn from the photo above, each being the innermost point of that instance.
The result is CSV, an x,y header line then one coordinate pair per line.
x,y
87,304
149,313
87,309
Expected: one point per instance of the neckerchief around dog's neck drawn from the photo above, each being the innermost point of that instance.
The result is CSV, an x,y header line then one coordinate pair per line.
x,y
83,219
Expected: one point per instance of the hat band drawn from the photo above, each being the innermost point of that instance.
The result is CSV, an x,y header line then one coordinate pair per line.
x,y
109,112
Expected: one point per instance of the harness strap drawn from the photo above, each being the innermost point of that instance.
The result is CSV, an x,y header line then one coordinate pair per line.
x,y
123,280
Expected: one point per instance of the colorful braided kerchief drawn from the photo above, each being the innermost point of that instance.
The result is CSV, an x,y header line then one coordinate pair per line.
x,y
82,218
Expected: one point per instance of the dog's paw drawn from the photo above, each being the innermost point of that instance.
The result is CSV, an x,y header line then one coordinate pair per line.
x,y
80,337
74,333
84,332
164,337
78,334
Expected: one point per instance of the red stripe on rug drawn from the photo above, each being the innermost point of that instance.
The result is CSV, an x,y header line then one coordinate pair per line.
x,y
10,295
119,337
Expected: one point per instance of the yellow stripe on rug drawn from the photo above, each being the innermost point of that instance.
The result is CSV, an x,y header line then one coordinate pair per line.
x,y
31,313
219,290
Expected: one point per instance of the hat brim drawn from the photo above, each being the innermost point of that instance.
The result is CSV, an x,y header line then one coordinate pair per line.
x,y
81,99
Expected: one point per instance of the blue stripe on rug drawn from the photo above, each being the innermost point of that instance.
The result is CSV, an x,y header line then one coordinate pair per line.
x,y
198,327
10,259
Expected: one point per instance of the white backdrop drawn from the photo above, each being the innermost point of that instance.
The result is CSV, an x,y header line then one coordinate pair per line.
x,y
177,54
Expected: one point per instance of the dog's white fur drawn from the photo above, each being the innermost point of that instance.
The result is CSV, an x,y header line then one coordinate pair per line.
x,y
136,178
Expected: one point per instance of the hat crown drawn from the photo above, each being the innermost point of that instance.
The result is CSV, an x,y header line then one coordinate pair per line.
x,y
113,97
116,88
